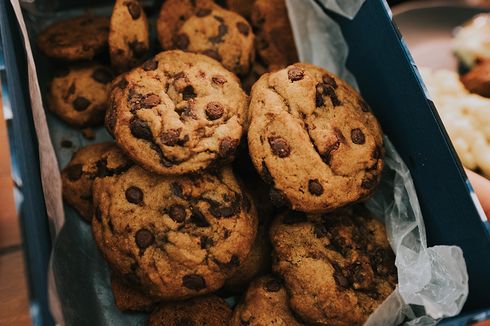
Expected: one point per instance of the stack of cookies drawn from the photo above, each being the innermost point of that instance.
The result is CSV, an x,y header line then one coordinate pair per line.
x,y
207,193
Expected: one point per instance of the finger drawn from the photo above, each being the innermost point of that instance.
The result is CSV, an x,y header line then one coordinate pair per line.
x,y
482,190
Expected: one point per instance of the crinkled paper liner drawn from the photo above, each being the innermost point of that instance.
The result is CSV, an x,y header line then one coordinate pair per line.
x,y
433,280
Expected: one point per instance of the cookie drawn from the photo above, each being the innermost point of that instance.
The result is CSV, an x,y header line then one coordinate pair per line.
x,y
173,14
265,304
338,267
129,39
242,7
127,297
178,113
274,38
75,39
477,80
177,237
314,139
209,310
220,34
78,175
79,94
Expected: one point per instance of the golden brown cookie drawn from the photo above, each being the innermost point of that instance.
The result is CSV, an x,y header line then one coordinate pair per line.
x,y
75,39
178,113
265,304
274,37
87,163
129,39
338,267
79,94
178,237
202,311
128,297
314,139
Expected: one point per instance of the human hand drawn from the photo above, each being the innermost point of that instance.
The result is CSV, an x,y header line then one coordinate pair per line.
x,y
482,189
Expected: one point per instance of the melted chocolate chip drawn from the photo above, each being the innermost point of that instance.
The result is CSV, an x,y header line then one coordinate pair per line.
x,y
206,242
279,146
194,282
214,110
315,187
319,100
203,12
227,147
327,156
357,136
102,75
222,31
243,28
171,137
151,100
188,93
197,218
140,129
278,198
134,195
181,41
330,81
81,103
144,238
150,65
295,74
176,189
219,79
376,153
177,213
134,9
212,54
122,84
74,172
340,279
273,285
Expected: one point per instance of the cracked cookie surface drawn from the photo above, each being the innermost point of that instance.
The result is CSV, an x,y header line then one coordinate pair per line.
x,y
129,39
205,311
75,39
313,139
86,164
264,304
178,113
177,237
79,94
338,267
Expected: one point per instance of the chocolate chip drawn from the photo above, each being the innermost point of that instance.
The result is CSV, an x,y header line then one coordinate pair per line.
x,y
197,218
176,189
203,12
319,100
340,279
226,234
81,103
122,84
364,106
227,147
212,54
150,65
102,75
171,137
214,110
139,48
144,238
74,172
177,213
151,100
369,182
243,28
188,93
140,129
357,136
315,187
293,217
98,214
376,153
194,282
181,41
134,10
295,74
273,285
134,195
222,31
219,79
330,81
279,146
278,198
206,242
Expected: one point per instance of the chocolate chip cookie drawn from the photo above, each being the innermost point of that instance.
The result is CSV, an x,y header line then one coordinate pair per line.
x,y
208,310
129,39
75,39
178,113
274,37
79,94
87,163
265,304
220,34
178,237
314,139
242,7
338,267
172,16
129,297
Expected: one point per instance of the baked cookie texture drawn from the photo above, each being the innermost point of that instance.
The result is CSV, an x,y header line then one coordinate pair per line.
x,y
86,164
128,297
75,39
205,311
274,38
177,237
79,94
265,304
129,39
338,267
313,139
178,113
